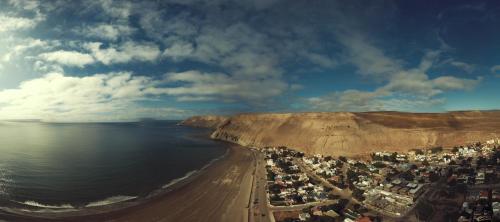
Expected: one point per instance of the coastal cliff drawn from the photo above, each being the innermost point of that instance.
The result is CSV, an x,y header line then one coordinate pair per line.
x,y
353,134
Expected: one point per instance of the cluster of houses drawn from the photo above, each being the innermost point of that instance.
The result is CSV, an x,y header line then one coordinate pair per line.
x,y
287,184
326,167
436,156
481,206
390,184
395,198
330,213
385,186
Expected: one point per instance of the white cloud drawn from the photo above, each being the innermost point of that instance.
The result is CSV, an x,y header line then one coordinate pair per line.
x,y
47,67
106,31
116,9
16,47
126,52
496,70
401,86
349,100
178,50
57,97
68,58
320,60
25,4
463,65
197,86
453,83
369,60
8,23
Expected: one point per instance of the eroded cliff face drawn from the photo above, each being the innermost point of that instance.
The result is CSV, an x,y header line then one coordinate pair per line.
x,y
211,122
353,134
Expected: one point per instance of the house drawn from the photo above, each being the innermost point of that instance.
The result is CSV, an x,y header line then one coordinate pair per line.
x,y
415,193
463,219
403,191
412,185
395,189
496,209
484,195
331,213
304,216
495,196
480,176
364,219
463,179
317,212
396,182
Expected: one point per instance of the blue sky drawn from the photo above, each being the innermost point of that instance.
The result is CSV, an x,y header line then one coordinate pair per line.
x,y
124,60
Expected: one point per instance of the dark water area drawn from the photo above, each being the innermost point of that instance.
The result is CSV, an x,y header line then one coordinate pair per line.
x,y
62,165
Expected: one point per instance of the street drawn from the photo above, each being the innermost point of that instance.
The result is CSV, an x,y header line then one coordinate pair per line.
x,y
259,208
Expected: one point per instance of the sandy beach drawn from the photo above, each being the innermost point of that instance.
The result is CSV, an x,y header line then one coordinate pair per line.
x,y
218,193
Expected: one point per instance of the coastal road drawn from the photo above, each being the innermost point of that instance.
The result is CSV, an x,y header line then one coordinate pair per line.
x,y
302,206
260,211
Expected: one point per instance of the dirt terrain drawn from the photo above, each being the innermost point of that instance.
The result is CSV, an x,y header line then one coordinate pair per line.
x,y
205,121
354,134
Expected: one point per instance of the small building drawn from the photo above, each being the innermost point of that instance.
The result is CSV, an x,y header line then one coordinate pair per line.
x,y
304,216
396,182
415,193
331,213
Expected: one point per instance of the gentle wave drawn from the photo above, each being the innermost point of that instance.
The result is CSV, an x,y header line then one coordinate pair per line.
x,y
216,159
190,173
40,205
110,200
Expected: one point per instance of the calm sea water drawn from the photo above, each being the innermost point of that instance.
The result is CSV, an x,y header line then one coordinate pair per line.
x,y
60,166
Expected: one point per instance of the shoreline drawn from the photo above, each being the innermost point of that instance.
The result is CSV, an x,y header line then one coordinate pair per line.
x,y
168,195
171,186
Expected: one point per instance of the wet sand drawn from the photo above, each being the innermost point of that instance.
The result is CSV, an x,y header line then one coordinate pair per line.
x,y
218,193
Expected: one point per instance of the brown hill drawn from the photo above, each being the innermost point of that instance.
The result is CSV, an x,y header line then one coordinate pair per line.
x,y
208,121
354,134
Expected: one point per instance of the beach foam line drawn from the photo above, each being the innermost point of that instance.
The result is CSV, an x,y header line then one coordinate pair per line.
x,y
40,205
174,181
111,200
216,159
190,173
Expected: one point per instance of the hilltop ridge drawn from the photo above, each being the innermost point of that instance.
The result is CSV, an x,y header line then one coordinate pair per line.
x,y
208,121
352,134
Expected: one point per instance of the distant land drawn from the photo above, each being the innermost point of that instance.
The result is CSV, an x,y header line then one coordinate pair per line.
x,y
353,134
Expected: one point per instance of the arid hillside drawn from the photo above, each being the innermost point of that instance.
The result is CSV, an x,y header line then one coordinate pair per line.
x,y
211,121
354,134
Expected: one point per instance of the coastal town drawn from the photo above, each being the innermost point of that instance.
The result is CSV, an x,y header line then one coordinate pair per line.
x,y
458,184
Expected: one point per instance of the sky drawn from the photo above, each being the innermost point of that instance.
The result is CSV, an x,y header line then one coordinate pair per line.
x,y
108,60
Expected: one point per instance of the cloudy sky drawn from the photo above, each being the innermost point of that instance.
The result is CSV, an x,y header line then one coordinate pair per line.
x,y
124,60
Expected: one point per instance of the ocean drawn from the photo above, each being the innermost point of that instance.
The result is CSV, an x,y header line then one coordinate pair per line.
x,y
70,166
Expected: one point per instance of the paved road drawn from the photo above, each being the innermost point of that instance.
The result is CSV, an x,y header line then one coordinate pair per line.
x,y
260,211
302,206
